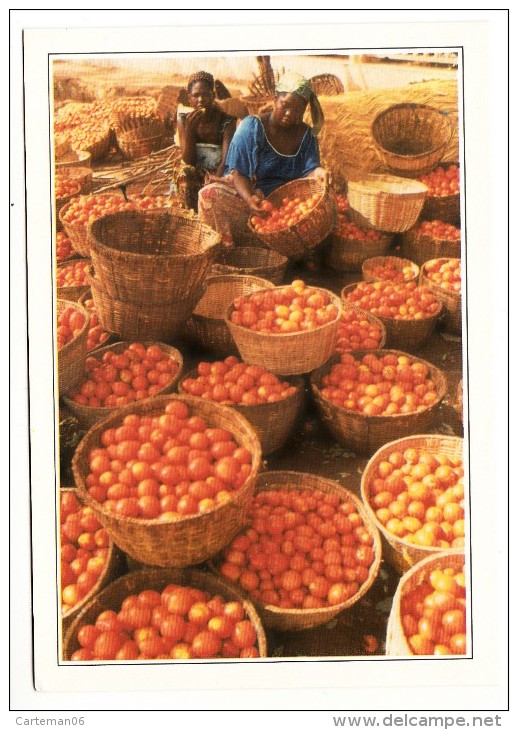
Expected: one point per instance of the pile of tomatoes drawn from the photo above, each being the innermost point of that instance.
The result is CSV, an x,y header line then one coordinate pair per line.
x,y
438,229
444,273
419,497
433,614
64,248
380,384
73,274
166,466
116,379
87,208
70,325
342,203
84,550
304,549
387,270
355,332
66,186
177,623
232,382
290,212
352,232
395,300
442,182
96,335
284,310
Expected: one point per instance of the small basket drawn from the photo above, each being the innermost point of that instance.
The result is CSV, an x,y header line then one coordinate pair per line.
x,y
134,322
300,619
88,415
60,203
71,357
288,353
151,256
194,538
207,326
363,314
410,139
273,422
451,301
345,254
365,434
72,293
396,261
445,208
133,147
389,203
400,554
421,248
403,334
397,644
157,579
299,240
251,261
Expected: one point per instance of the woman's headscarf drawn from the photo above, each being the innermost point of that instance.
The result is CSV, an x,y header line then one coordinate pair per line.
x,y
293,83
203,76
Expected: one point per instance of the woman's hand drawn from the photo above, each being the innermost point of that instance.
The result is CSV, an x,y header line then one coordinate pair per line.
x,y
255,203
192,120
322,175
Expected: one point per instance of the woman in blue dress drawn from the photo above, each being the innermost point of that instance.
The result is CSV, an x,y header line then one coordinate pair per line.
x,y
266,152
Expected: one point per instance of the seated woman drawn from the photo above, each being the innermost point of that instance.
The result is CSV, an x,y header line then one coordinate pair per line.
x,y
204,136
266,152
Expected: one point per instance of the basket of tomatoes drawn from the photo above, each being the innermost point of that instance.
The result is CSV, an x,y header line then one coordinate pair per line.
x,y
298,217
166,613
189,469
270,404
65,188
349,245
288,330
308,552
71,279
414,490
389,268
365,398
359,330
443,278
428,615
122,373
443,199
97,336
72,334
431,240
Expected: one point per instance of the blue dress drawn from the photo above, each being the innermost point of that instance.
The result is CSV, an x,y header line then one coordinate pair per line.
x,y
252,155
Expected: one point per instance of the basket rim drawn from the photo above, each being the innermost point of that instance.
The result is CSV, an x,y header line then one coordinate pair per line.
x,y
270,252
437,373
404,322
362,184
406,105
368,263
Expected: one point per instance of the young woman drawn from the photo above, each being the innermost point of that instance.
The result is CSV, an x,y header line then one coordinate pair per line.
x,y
266,152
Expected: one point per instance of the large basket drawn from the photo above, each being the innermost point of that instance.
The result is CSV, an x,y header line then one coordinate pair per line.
x,y
127,321
88,415
288,354
397,644
404,334
410,139
157,579
152,256
389,203
251,261
451,301
345,254
396,261
273,422
299,619
421,248
365,434
194,538
299,240
72,293
400,554
445,208
71,357
207,326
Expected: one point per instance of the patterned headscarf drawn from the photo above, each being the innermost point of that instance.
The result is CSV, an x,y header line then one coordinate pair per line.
x,y
293,83
203,76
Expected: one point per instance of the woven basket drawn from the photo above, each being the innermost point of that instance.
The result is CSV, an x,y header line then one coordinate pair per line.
x,y
110,340
71,357
157,579
207,326
288,354
194,538
72,293
345,254
397,644
366,434
410,139
72,158
81,174
153,256
396,261
60,203
100,148
451,301
273,422
78,233
300,239
363,314
299,619
404,333
134,322
389,203
421,248
251,261
445,208
400,554
134,147
89,415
